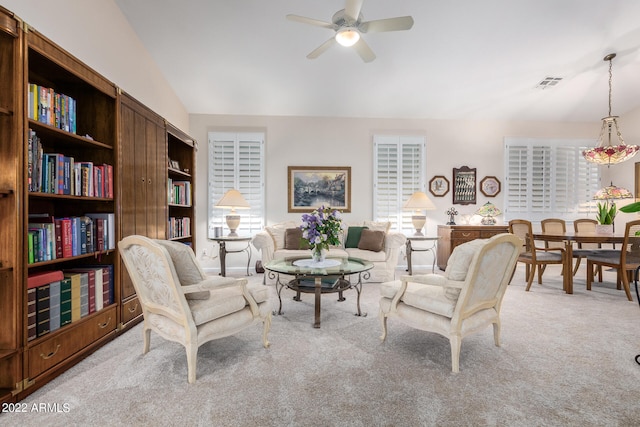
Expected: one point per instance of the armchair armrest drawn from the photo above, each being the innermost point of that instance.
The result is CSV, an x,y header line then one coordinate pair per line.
x,y
427,279
214,283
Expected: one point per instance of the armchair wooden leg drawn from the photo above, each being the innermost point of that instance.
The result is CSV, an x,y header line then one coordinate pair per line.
x,y
625,283
532,273
146,338
192,358
383,323
496,333
265,331
456,342
590,266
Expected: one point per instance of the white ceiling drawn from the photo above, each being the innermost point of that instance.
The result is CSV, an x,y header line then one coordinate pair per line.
x,y
463,59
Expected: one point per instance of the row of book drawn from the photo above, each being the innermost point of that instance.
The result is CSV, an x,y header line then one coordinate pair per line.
x,y
179,192
52,238
52,108
60,297
179,227
56,173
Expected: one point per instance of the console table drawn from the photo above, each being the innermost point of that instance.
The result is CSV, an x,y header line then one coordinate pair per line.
x,y
451,236
223,251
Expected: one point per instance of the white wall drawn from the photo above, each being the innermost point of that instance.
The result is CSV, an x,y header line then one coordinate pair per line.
x,y
97,33
318,141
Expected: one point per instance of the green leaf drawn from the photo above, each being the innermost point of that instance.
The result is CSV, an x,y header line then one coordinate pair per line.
x,y
633,207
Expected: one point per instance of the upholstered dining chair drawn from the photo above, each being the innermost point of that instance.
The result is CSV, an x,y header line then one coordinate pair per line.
x,y
553,226
534,258
585,225
182,304
463,301
624,261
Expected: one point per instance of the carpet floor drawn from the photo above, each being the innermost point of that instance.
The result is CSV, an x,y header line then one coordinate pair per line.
x,y
565,360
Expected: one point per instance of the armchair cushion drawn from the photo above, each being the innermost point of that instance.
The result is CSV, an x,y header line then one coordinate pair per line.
x,y
353,236
225,301
460,259
293,239
430,298
189,271
372,240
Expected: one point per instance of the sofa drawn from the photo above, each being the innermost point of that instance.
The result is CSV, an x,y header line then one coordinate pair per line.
x,y
371,241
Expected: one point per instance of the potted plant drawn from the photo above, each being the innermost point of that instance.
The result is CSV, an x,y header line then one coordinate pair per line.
x,y
605,216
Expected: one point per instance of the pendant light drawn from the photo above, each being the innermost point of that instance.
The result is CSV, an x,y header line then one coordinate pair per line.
x,y
607,152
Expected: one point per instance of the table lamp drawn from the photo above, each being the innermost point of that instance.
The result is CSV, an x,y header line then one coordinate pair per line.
x,y
418,202
233,200
487,212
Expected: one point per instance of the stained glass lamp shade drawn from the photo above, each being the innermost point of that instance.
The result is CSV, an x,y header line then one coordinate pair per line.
x,y
488,211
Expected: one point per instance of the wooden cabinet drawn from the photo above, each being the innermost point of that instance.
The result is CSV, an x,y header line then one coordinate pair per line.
x,y
450,236
68,149
10,198
142,189
181,152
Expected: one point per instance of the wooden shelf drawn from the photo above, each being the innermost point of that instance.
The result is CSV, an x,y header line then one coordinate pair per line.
x,y
47,130
73,258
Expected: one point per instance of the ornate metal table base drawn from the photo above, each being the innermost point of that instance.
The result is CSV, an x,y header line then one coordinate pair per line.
x,y
319,285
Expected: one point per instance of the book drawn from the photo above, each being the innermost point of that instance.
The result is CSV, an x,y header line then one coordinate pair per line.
x,y
44,278
65,301
54,306
42,310
75,295
31,314
90,274
67,238
110,232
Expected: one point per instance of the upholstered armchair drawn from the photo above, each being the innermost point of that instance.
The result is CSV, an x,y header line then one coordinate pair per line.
x,y
182,304
463,301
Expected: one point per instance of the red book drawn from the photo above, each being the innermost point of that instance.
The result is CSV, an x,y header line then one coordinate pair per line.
x,y
67,238
43,278
58,233
100,243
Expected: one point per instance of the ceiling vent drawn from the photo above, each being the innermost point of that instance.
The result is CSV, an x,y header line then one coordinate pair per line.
x,y
548,82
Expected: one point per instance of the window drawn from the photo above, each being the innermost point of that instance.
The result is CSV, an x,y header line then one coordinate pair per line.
x,y
548,178
398,171
236,160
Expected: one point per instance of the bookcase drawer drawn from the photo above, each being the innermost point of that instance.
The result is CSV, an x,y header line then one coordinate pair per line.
x,y
59,347
130,310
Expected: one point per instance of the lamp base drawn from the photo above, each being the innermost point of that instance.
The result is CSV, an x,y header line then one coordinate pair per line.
x,y
418,223
233,221
488,220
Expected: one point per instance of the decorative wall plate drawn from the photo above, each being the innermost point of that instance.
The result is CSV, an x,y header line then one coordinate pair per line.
x,y
439,186
490,186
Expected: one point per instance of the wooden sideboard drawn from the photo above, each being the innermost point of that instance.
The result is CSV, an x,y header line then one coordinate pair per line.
x,y
450,236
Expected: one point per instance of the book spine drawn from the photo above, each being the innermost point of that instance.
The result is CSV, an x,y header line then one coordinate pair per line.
x,y
31,314
65,301
54,305
42,310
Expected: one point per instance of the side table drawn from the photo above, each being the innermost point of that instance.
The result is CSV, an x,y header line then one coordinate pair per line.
x,y
410,249
223,251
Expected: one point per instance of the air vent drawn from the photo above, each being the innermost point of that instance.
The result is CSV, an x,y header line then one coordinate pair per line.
x,y
548,82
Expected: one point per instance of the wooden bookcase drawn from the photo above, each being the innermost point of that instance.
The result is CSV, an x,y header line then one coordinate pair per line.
x,y
181,159
95,141
10,220
142,201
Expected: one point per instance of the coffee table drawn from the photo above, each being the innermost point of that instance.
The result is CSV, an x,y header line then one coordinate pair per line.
x,y
331,276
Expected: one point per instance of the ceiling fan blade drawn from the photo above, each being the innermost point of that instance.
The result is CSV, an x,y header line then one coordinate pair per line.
x,y
364,50
352,9
311,21
322,48
390,24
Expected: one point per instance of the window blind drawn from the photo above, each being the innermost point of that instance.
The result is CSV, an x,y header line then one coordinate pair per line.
x,y
398,171
549,178
236,160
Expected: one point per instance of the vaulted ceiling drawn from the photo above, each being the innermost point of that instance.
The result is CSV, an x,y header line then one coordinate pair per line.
x,y
463,59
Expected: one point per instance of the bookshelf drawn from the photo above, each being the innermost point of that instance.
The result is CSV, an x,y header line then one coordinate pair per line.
x,y
181,152
68,221
10,221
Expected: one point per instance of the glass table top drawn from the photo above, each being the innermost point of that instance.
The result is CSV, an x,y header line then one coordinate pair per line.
x,y
332,266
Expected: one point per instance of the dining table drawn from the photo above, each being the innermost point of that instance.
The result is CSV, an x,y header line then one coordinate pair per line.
x,y
571,237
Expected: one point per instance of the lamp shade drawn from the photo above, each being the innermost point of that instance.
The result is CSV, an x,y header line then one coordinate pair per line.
x,y
612,192
419,201
232,199
347,36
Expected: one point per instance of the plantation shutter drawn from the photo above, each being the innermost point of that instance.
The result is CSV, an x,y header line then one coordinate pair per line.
x,y
549,178
236,160
399,171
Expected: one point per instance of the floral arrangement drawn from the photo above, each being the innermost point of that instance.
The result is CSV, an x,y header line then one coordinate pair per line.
x,y
322,228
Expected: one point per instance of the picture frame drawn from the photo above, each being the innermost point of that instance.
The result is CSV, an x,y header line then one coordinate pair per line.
x,y
174,164
464,186
309,187
439,186
490,186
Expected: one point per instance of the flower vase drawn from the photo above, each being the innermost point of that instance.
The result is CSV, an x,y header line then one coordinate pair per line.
x,y
318,254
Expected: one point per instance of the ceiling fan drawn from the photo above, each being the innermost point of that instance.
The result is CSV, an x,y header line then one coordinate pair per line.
x,y
349,26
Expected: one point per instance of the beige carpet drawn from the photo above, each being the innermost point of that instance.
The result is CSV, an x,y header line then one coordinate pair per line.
x,y
565,360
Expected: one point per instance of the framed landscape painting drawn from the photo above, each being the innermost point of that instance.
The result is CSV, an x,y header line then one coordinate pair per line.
x,y
310,187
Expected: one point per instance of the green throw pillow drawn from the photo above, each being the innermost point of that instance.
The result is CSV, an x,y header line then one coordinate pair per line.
x,y
353,237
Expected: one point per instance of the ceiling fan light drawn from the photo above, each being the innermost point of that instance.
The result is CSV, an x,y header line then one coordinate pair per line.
x,y
347,36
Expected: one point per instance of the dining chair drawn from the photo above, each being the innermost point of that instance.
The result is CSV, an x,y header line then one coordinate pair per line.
x,y
553,226
585,225
534,257
625,261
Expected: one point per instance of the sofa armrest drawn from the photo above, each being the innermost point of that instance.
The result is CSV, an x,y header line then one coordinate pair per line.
x,y
264,243
394,240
